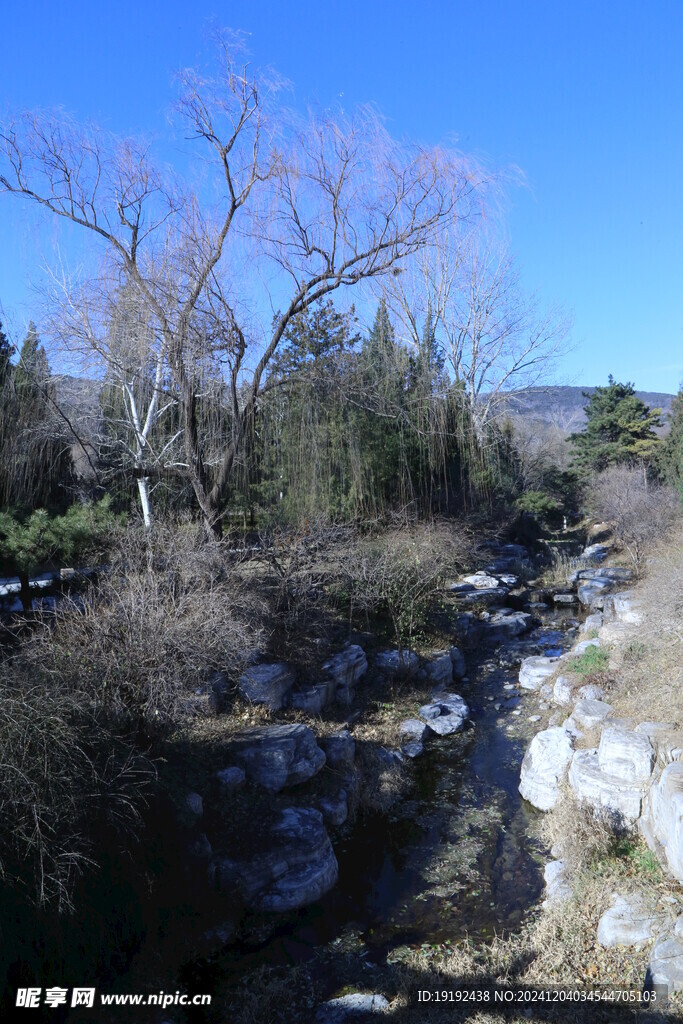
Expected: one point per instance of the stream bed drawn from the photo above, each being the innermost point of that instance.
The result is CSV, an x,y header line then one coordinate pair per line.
x,y
453,860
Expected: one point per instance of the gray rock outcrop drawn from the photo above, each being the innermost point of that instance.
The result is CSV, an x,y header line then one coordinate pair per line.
x,y
340,749
557,888
297,869
439,669
616,776
394,663
278,756
346,668
544,767
267,684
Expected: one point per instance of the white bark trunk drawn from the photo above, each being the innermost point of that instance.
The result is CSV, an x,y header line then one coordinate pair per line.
x,y
143,489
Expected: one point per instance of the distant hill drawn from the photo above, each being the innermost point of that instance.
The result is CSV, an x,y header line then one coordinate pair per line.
x,y
563,407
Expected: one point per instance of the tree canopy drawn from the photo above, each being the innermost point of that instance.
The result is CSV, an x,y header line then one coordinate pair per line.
x,y
619,429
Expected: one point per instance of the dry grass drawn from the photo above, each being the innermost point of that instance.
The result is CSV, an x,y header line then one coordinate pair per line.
x,y
651,667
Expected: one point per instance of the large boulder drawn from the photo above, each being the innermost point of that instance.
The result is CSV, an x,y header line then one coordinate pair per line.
x,y
590,714
629,921
445,714
544,766
663,825
297,866
314,698
340,749
506,624
346,668
394,663
666,959
625,754
278,756
616,776
627,608
596,552
267,684
439,669
534,671
591,592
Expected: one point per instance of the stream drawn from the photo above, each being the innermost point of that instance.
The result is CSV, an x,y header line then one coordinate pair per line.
x,y
455,859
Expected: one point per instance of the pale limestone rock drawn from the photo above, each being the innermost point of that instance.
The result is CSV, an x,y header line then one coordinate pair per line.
x,y
534,671
544,767
629,921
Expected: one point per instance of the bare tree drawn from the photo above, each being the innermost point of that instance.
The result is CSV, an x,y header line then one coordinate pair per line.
x,y
289,211
495,338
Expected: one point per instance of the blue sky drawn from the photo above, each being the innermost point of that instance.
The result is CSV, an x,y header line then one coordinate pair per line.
x,y
585,98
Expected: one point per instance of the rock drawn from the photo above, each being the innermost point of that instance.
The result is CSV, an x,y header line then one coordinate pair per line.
x,y
412,749
514,551
507,578
440,669
629,921
340,749
544,766
445,714
232,777
581,648
562,691
557,888
335,809
278,756
298,867
194,804
591,592
458,662
565,598
267,684
593,621
485,595
414,729
666,959
591,691
507,623
335,1011
625,755
346,668
534,718
615,632
394,663
481,581
665,818
615,776
200,848
589,714
627,608
596,552
459,588
315,698
534,671
665,738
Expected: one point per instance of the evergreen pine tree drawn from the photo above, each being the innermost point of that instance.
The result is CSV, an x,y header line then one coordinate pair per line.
x,y
619,429
671,451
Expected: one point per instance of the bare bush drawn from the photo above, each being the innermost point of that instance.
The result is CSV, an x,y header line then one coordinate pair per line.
x,y
641,513
400,573
167,613
62,772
